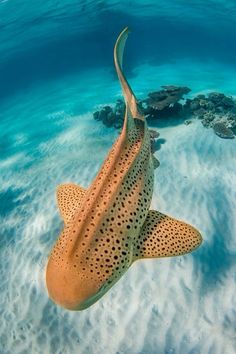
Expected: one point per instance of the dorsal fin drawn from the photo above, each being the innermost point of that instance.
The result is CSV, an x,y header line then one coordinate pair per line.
x,y
130,99
69,199
163,236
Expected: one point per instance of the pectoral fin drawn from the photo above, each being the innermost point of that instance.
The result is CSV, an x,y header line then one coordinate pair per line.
x,y
69,198
163,236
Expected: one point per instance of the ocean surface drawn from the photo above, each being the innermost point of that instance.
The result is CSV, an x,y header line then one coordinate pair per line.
x,y
56,69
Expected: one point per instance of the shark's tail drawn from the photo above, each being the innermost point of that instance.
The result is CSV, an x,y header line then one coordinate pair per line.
x,y
131,101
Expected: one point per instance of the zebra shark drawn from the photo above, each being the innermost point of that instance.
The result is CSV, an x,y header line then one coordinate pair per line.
x,y
110,225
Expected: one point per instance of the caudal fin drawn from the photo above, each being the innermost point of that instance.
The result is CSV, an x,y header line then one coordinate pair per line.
x,y
130,99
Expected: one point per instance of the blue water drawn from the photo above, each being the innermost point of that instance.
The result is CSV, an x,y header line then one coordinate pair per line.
x,y
56,68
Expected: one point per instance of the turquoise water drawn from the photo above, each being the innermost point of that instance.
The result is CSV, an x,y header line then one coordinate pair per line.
x,y
56,69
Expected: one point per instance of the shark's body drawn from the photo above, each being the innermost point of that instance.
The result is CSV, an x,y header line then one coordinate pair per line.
x,y
109,225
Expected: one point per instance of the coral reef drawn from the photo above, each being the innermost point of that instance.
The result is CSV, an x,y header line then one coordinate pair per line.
x,y
159,104
222,131
164,103
111,116
154,134
106,115
167,97
216,110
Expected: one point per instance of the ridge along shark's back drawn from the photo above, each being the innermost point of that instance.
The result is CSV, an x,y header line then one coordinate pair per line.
x,y
109,225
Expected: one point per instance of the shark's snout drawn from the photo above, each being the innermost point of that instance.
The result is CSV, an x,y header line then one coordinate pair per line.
x,y
69,290
197,238
192,238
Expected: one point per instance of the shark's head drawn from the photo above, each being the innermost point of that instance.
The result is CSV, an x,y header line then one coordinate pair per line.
x,y
77,294
77,277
